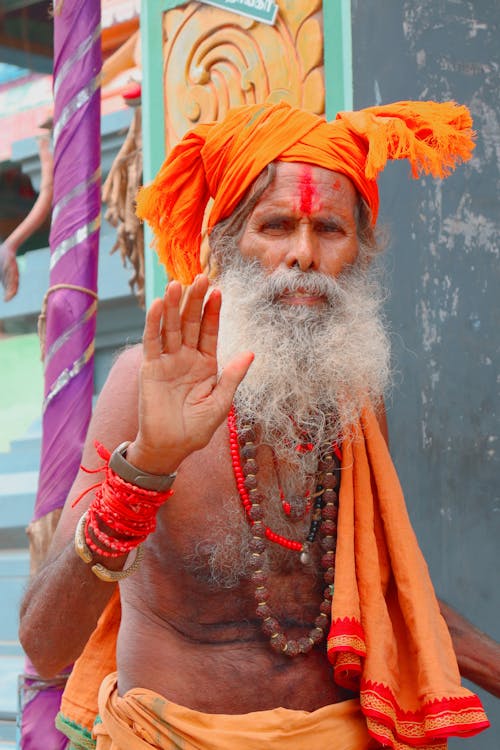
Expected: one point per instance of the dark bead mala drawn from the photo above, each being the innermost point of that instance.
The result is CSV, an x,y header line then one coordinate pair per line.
x,y
324,520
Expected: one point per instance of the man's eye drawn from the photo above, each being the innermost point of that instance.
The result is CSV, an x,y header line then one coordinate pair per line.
x,y
329,227
274,225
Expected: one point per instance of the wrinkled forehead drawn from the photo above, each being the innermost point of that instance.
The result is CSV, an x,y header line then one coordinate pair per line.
x,y
299,180
306,187
299,170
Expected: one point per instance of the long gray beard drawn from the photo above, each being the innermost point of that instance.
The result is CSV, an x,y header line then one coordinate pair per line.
x,y
316,367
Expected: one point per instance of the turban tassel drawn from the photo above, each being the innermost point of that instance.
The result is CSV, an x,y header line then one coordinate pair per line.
x,y
433,136
174,205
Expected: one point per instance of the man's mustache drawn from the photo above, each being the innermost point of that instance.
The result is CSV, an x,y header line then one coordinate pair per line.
x,y
292,280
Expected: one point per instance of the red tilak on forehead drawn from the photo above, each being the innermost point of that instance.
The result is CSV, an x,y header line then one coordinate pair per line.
x,y
307,189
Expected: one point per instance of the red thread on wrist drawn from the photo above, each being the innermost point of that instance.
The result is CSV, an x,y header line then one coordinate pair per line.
x,y
128,511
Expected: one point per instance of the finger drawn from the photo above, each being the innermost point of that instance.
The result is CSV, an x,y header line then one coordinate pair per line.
x,y
151,340
209,329
12,281
232,375
192,311
171,337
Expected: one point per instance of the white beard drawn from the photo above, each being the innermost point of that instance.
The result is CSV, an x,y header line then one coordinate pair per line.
x,y
316,367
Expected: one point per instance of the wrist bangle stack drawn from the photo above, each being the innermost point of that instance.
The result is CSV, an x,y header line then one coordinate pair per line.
x,y
83,551
122,514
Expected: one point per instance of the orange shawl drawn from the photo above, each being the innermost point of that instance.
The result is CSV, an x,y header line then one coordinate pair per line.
x,y
387,640
220,160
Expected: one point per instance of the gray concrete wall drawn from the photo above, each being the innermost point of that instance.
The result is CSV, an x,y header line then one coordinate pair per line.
x,y
443,276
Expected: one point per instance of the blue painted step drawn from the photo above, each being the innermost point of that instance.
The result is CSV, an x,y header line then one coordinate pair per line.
x,y
24,455
14,572
7,735
17,498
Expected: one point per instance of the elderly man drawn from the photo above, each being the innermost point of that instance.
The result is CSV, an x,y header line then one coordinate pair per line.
x,y
261,606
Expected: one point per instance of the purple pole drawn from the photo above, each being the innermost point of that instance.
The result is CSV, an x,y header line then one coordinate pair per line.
x,y
71,309
74,247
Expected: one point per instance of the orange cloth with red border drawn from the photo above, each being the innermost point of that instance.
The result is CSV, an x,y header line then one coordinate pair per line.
x,y
387,640
220,160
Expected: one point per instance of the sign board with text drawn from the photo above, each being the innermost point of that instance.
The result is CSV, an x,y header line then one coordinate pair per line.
x,y
259,10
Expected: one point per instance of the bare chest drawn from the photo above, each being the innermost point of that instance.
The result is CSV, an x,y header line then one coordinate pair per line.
x,y
201,565
198,599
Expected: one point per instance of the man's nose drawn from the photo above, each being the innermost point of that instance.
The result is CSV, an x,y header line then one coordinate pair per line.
x,y
303,251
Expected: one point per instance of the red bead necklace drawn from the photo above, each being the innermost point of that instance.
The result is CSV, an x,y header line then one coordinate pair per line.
x,y
243,456
248,482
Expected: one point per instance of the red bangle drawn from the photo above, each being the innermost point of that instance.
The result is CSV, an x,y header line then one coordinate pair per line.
x,y
121,515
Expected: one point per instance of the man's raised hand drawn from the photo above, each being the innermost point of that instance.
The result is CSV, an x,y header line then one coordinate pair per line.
x,y
9,271
181,399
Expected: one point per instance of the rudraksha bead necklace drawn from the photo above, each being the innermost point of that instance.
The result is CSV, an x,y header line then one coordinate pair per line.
x,y
324,518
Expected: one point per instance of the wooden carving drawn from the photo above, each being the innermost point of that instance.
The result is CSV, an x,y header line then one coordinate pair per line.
x,y
214,60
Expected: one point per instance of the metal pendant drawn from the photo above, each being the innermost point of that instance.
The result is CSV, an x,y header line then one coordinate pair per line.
x,y
305,555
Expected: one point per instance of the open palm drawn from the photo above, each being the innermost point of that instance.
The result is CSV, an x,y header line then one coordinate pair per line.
x,y
181,399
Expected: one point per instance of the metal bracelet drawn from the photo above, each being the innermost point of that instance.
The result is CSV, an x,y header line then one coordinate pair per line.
x,y
83,551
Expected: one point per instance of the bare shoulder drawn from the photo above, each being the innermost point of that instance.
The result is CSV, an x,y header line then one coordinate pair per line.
x,y
120,391
115,414
114,420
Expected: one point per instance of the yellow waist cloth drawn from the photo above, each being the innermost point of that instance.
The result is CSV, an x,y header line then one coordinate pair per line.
x,y
142,719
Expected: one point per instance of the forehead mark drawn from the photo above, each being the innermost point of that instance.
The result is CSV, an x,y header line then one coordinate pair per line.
x,y
336,185
307,189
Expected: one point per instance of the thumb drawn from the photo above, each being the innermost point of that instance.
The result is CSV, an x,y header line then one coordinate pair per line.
x,y
231,376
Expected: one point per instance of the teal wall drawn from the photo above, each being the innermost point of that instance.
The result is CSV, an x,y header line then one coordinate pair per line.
x,y
21,385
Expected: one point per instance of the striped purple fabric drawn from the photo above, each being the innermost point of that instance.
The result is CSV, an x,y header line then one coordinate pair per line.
x,y
71,312
74,246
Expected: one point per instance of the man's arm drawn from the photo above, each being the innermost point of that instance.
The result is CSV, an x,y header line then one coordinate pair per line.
x,y
9,269
478,655
64,600
168,400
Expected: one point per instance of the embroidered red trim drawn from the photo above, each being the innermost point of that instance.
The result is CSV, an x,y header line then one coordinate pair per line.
x,y
347,671
379,732
437,719
346,634
346,649
387,722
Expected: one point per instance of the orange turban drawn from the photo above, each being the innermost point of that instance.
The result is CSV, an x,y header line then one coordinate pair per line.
x,y
220,160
